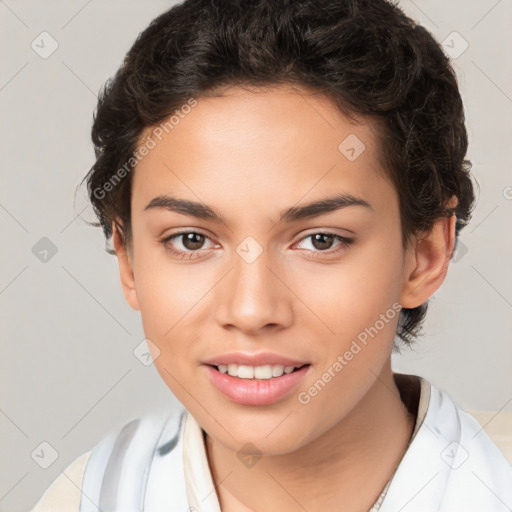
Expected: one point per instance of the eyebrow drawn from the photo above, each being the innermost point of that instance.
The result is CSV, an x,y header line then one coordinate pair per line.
x,y
307,211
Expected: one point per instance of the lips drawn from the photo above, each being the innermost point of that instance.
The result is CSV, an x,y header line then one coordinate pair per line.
x,y
254,359
255,391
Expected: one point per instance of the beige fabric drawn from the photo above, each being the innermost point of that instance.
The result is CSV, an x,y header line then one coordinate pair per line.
x,y
65,492
201,493
498,426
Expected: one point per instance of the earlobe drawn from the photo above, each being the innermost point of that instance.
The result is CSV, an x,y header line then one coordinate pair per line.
x,y
125,268
427,263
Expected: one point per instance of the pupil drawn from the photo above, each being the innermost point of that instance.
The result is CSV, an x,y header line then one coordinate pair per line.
x,y
319,240
190,243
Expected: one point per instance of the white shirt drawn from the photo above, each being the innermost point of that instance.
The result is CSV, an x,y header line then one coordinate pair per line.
x,y
161,464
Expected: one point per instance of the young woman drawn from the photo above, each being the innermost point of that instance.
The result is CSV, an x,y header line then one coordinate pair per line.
x,y
283,183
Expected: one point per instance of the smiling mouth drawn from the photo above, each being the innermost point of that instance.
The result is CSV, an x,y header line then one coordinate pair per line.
x,y
264,372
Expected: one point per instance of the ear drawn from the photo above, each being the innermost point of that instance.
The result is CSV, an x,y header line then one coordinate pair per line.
x,y
427,261
125,267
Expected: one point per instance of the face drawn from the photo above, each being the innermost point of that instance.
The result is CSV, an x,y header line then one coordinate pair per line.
x,y
302,286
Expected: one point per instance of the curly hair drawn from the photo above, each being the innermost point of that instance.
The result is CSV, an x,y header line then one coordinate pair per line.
x,y
366,55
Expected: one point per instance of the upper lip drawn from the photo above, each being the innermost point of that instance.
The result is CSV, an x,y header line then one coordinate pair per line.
x,y
254,359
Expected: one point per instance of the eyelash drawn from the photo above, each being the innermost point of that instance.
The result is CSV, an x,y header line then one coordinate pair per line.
x,y
345,242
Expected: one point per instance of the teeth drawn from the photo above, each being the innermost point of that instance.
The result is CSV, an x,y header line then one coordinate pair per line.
x,y
244,372
255,372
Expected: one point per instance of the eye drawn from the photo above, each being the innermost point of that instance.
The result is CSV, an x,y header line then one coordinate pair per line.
x,y
191,243
323,241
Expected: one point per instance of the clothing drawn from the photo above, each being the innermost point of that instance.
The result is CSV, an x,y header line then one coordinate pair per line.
x,y
158,463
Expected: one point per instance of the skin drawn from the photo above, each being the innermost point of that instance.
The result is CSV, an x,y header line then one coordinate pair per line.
x,y
249,155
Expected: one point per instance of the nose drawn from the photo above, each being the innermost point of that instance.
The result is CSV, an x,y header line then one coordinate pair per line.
x,y
254,296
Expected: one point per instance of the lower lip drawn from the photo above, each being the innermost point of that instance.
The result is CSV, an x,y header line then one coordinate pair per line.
x,y
255,391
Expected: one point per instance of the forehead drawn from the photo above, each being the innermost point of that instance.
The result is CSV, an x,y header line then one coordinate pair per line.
x,y
276,144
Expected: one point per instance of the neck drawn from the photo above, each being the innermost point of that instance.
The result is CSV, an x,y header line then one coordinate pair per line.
x,y
349,464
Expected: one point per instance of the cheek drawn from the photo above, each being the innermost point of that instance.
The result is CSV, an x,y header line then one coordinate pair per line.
x,y
164,289
172,297
359,303
170,305
170,302
351,296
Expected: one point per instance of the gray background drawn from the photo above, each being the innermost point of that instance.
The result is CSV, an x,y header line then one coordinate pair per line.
x,y
68,372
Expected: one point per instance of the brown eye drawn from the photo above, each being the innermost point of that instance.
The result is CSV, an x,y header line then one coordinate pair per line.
x,y
324,244
186,243
322,241
193,241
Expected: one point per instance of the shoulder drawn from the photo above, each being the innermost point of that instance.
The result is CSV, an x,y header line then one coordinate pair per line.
x,y
123,455
480,475
64,493
131,465
450,465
